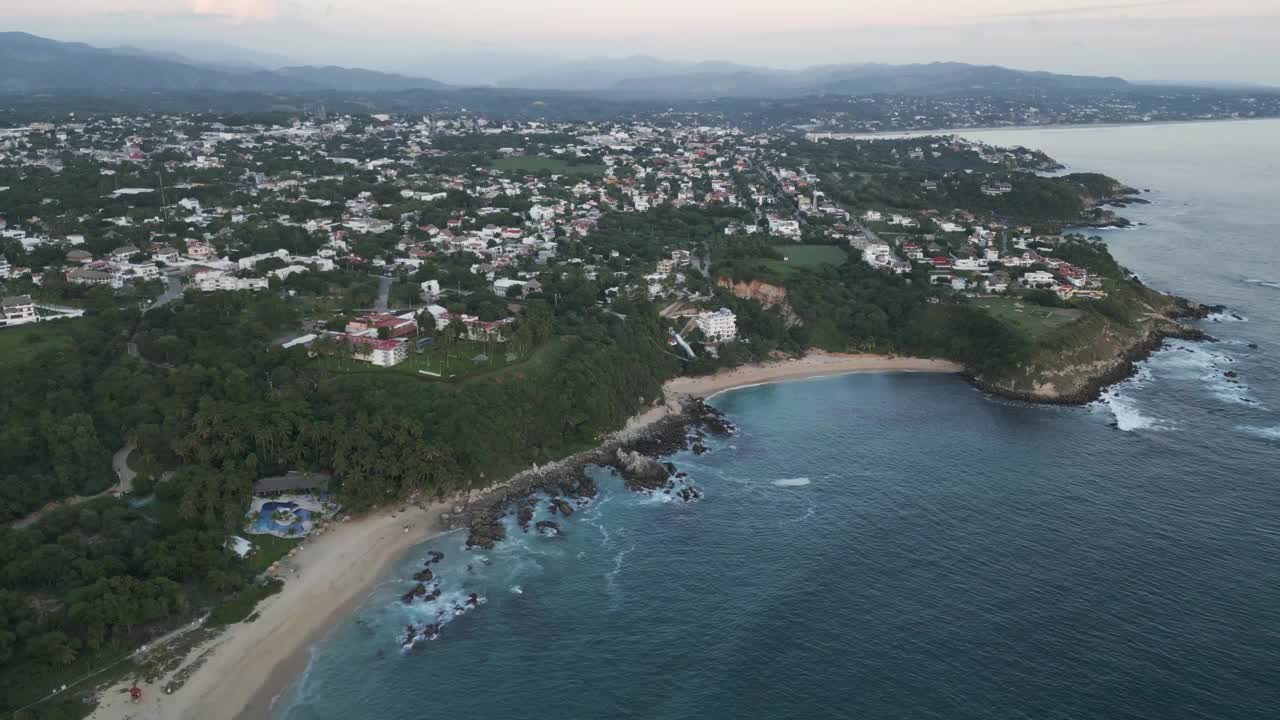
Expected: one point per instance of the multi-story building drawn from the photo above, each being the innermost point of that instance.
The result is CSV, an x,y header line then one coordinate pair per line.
x,y
17,310
718,326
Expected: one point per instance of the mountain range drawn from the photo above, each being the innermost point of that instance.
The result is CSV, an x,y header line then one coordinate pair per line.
x,y
29,63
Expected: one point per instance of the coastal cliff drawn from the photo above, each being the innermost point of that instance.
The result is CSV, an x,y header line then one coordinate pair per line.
x,y
1075,368
765,294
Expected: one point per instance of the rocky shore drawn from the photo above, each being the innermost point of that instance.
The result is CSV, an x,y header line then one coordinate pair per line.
x,y
633,455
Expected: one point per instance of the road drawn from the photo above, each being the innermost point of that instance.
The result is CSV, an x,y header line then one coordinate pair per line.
x,y
172,291
384,294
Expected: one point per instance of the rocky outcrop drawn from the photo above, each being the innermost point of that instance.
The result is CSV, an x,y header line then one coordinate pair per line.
x,y
548,527
1062,380
640,472
767,295
559,505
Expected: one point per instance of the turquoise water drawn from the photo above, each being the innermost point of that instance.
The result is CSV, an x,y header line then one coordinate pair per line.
x,y
903,546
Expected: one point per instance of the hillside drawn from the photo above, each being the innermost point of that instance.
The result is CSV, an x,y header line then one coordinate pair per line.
x,y
29,63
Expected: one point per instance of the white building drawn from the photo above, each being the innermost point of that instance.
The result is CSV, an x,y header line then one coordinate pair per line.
x,y
430,289
4,268
17,310
503,286
383,353
1038,278
718,326
215,280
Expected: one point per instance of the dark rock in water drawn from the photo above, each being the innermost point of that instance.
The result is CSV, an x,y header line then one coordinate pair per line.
x,y
435,593
682,475
1253,346
670,466
640,472
407,597
434,556
699,448
1230,374
423,575
688,493
410,634
473,600
486,532
419,590
559,505
525,516
548,527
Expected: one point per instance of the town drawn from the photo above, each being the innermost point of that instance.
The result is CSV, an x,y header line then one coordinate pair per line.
x,y
453,209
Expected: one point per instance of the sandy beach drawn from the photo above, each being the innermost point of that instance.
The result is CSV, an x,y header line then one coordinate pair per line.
x,y
249,663
815,364
239,672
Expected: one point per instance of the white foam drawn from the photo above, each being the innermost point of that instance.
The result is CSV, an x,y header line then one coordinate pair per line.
x,y
517,590
1227,317
1265,283
1266,433
1127,416
791,482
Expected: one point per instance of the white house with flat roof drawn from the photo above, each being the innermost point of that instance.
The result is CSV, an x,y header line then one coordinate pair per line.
x,y
718,326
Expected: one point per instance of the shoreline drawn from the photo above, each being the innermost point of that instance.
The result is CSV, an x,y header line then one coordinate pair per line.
x,y
906,134
243,670
813,365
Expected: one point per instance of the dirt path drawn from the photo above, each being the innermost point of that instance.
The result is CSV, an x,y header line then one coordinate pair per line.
x,y
124,483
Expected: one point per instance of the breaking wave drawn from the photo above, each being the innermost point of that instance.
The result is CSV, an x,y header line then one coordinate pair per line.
x,y
791,482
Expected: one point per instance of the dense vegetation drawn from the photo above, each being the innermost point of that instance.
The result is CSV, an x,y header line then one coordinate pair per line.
x,y
213,397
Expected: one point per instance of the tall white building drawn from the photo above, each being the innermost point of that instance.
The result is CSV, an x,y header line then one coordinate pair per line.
x,y
718,326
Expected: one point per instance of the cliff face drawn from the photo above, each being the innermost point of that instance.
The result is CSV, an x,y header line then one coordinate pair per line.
x,y
768,296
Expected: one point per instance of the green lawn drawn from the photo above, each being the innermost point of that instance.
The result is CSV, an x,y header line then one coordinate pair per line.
x,y
1035,320
19,344
268,549
538,163
807,256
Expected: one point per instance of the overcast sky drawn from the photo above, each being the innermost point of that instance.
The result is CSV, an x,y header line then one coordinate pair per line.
x,y
1164,40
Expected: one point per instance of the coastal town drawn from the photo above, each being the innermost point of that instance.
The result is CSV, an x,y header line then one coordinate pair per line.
x,y
190,205
256,328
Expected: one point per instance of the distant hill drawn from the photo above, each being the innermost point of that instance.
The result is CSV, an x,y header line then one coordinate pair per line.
x,y
636,78
29,63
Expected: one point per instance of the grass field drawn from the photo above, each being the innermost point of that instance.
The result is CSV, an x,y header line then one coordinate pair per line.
x,y
20,344
538,163
1035,320
807,256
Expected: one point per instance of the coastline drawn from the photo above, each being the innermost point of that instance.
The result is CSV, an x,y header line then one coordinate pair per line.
x,y
895,134
815,364
241,671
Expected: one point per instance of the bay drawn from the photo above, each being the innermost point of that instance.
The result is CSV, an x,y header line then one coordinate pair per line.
x,y
903,546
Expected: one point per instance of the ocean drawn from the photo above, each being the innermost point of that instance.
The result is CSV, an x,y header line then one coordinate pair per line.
x,y
905,546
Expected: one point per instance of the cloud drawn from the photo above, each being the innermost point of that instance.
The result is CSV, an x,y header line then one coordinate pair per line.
x,y
239,10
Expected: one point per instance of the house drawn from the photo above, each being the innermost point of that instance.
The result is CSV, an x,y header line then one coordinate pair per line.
x,y
996,282
198,250
380,352
718,326
502,287
124,252
98,273
374,324
164,254
941,262
17,310
1038,279
75,256
429,289
5,268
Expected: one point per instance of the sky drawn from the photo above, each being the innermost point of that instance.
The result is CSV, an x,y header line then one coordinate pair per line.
x,y
488,40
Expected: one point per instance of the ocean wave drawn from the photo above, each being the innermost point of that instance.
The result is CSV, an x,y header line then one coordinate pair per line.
x,y
517,590
1266,433
791,482
1210,367
1226,316
1264,283
1124,411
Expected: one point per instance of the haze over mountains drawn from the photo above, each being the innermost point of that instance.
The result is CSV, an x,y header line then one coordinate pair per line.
x,y
29,63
